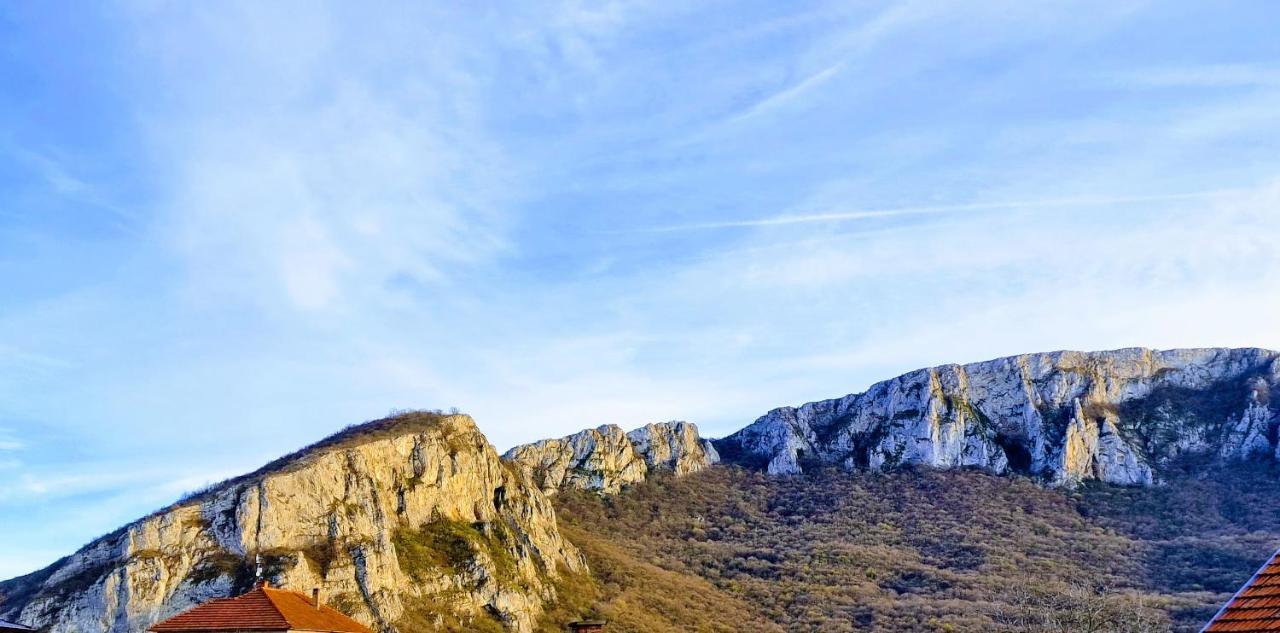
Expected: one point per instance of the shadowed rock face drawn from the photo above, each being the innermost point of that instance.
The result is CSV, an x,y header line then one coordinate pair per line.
x,y
1119,416
331,517
606,458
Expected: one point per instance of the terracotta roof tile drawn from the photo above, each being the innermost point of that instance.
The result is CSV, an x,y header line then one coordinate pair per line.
x,y
1256,606
263,609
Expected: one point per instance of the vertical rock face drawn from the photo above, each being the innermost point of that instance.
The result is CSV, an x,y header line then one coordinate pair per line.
x,y
348,516
1118,416
595,459
673,446
606,458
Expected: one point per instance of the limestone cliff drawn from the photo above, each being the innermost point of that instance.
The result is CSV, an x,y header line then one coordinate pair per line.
x,y
382,518
1119,416
674,446
606,458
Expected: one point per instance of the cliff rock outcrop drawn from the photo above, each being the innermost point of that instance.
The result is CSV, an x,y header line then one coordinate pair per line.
x,y
606,458
382,518
1118,416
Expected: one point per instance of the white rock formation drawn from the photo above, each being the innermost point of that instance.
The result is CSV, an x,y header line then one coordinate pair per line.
x,y
329,517
673,446
1116,416
605,458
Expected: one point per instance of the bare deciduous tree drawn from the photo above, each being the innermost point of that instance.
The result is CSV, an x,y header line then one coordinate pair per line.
x,y
1077,608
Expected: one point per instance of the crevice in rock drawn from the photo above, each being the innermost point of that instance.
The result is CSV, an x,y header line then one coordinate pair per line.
x,y
362,583
1017,455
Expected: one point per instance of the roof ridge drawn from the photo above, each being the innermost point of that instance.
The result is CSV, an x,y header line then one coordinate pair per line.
x,y
310,613
264,608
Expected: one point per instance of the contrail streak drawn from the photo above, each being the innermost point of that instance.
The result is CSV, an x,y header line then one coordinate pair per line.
x,y
867,214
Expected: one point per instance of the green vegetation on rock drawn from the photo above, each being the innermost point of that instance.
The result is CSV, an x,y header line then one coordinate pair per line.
x,y
451,547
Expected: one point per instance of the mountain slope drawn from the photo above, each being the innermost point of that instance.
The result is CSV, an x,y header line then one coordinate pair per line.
x,y
413,509
920,549
1124,416
638,596
414,522
606,458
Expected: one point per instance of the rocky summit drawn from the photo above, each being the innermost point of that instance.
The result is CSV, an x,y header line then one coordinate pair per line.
x,y
1120,416
606,458
381,518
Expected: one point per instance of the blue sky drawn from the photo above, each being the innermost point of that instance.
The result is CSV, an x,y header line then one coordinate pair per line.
x,y
229,229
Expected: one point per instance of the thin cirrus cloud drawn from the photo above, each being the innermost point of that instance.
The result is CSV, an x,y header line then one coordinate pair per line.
x,y
1208,76
402,198
9,441
852,44
844,216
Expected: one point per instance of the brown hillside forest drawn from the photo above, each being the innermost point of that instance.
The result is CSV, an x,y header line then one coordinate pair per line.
x,y
733,550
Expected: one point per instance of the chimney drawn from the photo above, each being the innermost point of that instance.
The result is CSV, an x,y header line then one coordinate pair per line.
x,y
315,598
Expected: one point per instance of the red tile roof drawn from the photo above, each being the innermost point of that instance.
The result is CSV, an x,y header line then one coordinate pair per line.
x,y
1256,607
263,609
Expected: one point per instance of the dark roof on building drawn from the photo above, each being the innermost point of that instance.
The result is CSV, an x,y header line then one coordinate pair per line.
x,y
7,626
1255,608
263,609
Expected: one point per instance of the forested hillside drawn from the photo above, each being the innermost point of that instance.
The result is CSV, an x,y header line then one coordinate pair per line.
x,y
927,550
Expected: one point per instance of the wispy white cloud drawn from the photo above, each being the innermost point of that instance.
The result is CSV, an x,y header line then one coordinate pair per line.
x,y
53,172
788,94
1205,76
332,227
332,184
1151,273
27,560
71,507
9,440
839,52
59,180
13,356
843,216
57,485
152,483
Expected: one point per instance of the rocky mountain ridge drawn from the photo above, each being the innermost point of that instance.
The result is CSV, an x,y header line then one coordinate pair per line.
x,y
606,458
1118,416
382,518
414,519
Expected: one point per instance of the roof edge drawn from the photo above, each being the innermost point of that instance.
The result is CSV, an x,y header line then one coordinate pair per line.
x,y
1248,583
